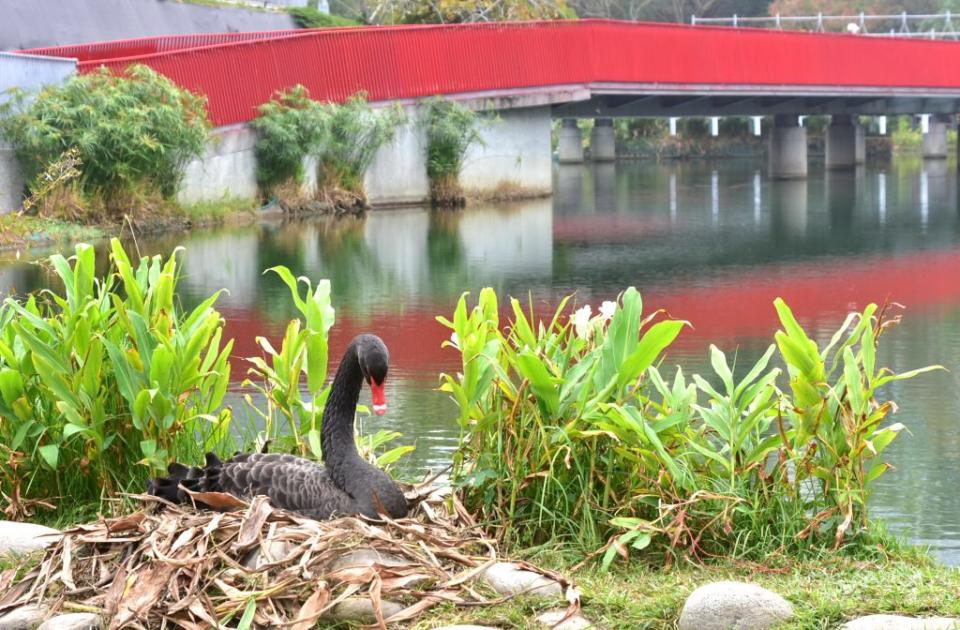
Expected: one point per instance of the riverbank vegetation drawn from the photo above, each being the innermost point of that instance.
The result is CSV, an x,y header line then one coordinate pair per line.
x,y
122,141
340,138
450,130
573,436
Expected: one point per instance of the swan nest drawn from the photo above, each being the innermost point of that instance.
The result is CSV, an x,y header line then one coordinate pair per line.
x,y
251,564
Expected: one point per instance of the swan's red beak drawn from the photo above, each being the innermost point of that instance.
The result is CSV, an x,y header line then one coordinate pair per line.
x,y
379,398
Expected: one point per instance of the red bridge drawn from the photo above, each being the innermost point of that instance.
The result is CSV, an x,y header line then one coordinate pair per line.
x,y
582,68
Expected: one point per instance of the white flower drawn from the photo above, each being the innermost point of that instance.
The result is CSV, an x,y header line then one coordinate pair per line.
x,y
455,340
607,309
581,320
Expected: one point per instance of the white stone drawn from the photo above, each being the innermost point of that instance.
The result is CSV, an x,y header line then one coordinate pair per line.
x,y
733,605
277,550
23,618
24,538
507,578
365,557
361,609
72,621
899,622
552,619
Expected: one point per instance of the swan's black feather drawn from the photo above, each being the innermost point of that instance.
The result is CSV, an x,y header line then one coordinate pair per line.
x,y
347,485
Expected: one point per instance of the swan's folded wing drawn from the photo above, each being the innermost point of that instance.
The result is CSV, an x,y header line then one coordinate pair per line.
x,y
292,483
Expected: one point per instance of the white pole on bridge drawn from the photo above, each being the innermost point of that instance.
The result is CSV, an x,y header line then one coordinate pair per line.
x,y
714,126
673,125
882,125
756,124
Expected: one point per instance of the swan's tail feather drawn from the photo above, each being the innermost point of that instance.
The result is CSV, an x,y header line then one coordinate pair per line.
x,y
193,478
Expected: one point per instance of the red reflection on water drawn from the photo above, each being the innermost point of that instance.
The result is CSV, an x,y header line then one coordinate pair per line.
x,y
735,305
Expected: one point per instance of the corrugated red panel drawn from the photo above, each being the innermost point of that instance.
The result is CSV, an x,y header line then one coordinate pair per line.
x,y
238,72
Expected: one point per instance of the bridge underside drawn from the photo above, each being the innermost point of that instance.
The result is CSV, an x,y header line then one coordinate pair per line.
x,y
612,101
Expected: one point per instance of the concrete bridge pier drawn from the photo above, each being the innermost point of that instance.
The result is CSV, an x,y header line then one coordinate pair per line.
x,y
570,142
602,145
841,142
935,139
861,142
788,148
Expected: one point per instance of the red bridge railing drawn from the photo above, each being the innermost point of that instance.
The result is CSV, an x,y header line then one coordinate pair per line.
x,y
238,72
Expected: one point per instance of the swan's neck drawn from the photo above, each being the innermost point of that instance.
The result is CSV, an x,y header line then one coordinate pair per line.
x,y
336,432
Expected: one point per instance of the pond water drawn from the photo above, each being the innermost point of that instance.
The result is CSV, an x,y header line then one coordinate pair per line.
x,y
712,242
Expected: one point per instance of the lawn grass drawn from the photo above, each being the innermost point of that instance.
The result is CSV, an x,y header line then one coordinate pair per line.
x,y
825,592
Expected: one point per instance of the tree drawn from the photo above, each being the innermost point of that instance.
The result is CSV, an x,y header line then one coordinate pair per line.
x,y
455,11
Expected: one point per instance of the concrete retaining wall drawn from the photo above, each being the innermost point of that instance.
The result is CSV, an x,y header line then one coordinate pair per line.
x,y
227,169
516,152
398,174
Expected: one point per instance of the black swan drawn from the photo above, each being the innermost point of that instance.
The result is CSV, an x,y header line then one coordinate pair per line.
x,y
348,485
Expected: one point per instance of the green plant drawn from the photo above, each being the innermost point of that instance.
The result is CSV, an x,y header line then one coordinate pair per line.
x,y
570,434
311,17
134,131
451,129
102,385
356,133
289,128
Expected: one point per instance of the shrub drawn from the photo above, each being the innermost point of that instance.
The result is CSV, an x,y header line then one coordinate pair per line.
x,y
571,435
356,133
310,17
289,128
102,385
134,132
450,130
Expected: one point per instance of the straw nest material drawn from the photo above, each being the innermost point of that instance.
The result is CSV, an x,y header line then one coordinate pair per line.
x,y
253,565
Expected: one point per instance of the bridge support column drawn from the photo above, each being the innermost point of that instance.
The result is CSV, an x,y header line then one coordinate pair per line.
x,y
570,145
602,145
861,139
841,143
935,140
788,149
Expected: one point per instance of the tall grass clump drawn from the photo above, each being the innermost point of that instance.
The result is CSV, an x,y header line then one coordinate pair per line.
x,y
356,132
289,128
451,129
572,435
102,384
133,133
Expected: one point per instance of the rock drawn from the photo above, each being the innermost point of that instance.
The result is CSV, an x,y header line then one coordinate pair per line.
x,y
24,538
899,622
23,618
365,557
360,609
466,627
276,549
726,605
72,621
507,578
551,619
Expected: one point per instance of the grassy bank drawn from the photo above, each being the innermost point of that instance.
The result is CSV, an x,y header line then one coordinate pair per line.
x,y
825,591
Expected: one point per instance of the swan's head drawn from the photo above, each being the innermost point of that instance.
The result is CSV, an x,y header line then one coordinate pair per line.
x,y
374,361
